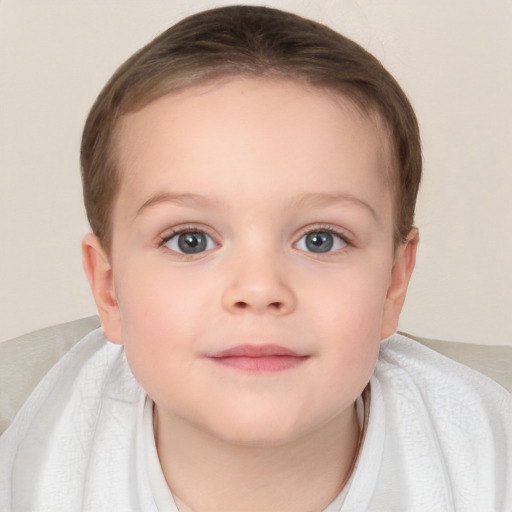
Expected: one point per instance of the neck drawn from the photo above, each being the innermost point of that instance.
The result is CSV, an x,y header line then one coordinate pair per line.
x,y
205,473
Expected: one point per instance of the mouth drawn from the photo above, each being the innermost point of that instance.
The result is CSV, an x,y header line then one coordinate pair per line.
x,y
259,358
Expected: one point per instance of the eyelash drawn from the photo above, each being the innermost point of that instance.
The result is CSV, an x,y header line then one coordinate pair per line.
x,y
320,228
179,231
310,229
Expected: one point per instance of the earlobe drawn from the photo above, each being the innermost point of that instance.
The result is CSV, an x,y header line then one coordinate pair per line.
x,y
401,272
98,270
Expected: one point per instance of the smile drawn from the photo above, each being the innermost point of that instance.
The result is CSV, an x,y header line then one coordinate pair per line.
x,y
259,359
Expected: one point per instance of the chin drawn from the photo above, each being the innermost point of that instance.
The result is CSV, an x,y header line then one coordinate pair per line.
x,y
269,431
259,439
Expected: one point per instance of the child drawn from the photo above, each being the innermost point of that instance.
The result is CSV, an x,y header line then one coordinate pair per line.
x,y
250,178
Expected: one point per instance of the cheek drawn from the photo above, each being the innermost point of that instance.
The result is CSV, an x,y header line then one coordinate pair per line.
x,y
160,315
350,298
349,309
156,297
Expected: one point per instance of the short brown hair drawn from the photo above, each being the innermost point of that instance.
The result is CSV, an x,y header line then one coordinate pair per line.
x,y
251,42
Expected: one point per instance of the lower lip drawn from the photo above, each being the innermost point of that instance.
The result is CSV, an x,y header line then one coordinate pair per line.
x,y
264,364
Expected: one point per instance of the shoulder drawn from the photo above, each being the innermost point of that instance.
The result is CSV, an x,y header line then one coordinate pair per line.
x,y
89,365
25,360
402,355
82,419
453,391
446,422
439,436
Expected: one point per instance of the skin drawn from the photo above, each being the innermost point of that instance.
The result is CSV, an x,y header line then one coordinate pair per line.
x,y
254,164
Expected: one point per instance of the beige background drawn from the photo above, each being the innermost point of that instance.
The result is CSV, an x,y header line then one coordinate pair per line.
x,y
454,59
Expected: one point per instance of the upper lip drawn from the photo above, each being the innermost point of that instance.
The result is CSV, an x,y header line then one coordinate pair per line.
x,y
256,351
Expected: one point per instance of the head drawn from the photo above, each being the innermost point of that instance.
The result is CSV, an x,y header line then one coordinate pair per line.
x,y
248,42
250,178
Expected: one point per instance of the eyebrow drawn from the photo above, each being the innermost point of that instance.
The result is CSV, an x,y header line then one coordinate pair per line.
x,y
323,199
308,200
169,197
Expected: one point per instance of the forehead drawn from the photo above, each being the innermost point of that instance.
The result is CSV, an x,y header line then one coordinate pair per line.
x,y
250,128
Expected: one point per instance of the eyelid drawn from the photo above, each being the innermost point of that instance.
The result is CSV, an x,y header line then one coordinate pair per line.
x,y
186,228
337,231
314,228
342,233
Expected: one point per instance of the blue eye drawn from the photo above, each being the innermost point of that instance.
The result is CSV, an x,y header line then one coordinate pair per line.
x,y
321,241
190,242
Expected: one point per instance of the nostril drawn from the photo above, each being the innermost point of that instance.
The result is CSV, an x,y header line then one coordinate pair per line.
x,y
244,305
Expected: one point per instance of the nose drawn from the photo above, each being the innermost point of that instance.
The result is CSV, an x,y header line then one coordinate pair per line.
x,y
258,286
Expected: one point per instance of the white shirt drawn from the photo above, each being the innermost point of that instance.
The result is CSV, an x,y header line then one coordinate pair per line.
x,y
439,438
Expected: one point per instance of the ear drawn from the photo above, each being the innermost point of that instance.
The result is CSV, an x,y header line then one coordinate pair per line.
x,y
403,265
98,270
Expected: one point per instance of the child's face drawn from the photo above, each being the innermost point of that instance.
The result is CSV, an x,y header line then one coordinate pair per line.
x,y
253,214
